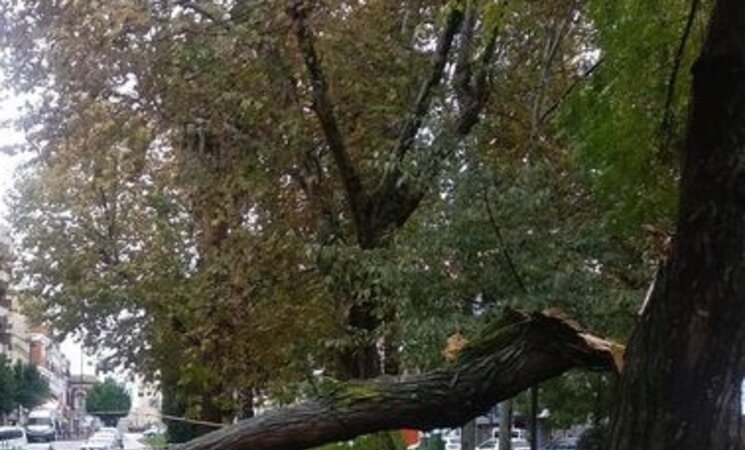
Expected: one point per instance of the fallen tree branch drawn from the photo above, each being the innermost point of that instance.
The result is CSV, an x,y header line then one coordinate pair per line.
x,y
509,356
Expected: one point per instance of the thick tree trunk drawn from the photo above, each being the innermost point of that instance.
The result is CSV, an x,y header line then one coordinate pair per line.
x,y
361,359
510,356
684,367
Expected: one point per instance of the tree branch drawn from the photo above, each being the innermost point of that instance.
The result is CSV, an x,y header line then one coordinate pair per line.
x,y
555,36
505,250
394,200
463,66
667,118
421,105
479,92
569,90
510,355
324,110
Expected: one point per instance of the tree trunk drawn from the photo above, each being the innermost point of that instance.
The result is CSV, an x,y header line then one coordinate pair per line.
x,y
361,360
511,355
684,367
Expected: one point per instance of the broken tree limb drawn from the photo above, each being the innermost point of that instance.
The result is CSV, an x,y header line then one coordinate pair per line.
x,y
509,356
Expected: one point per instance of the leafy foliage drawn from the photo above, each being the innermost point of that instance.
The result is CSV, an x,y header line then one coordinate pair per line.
x,y
233,196
31,388
625,122
7,386
21,385
109,399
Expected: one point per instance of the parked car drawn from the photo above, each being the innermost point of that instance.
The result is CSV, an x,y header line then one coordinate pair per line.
x,y
154,430
12,438
99,443
516,433
452,445
451,438
42,425
489,444
111,434
493,444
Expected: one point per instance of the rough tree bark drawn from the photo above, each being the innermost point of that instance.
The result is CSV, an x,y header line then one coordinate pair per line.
x,y
511,355
684,367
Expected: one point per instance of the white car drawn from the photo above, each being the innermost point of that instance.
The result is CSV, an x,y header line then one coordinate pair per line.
x,y
12,438
489,444
452,445
493,444
451,438
153,430
111,434
42,425
98,444
516,433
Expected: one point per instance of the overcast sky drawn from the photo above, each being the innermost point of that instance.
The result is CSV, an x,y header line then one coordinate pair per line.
x,y
8,163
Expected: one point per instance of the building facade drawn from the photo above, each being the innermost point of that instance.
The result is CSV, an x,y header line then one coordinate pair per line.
x,y
146,406
14,342
79,386
46,354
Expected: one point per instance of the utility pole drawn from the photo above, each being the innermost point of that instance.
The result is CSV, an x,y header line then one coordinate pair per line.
x,y
505,425
468,435
534,418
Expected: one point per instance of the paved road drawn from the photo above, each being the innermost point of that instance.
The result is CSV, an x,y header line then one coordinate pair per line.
x,y
131,442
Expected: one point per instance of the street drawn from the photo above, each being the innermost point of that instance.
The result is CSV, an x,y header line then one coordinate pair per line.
x,y
131,442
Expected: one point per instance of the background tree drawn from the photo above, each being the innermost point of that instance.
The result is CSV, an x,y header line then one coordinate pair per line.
x,y
108,400
21,385
7,386
32,389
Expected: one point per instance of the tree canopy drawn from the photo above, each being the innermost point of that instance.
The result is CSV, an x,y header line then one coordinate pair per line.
x,y
235,197
21,385
109,399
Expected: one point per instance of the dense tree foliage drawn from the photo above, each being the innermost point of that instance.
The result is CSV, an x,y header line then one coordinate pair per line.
x,y
31,388
109,400
234,196
7,387
21,385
